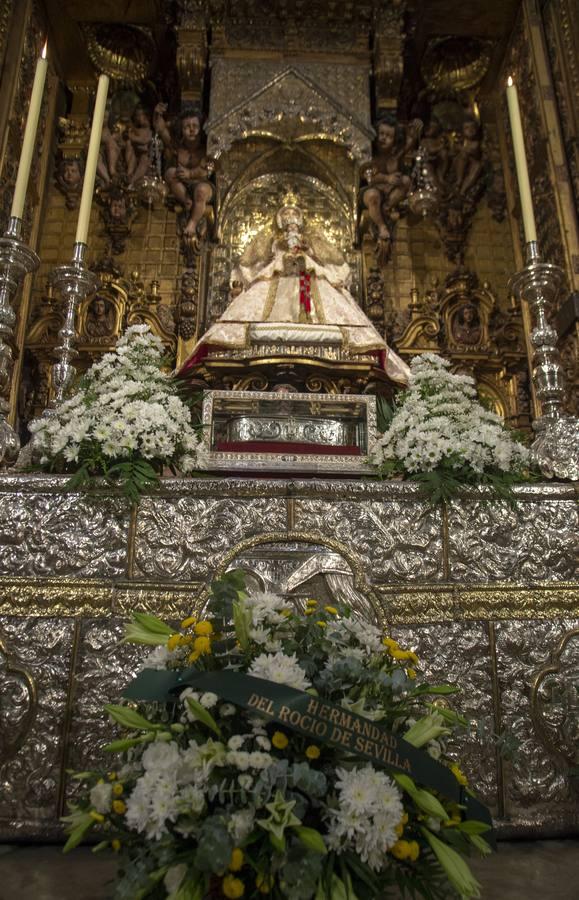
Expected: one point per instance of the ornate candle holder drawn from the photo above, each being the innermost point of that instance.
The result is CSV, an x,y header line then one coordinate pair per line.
x,y
556,447
75,282
16,260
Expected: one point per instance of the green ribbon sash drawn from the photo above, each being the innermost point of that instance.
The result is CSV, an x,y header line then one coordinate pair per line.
x,y
317,719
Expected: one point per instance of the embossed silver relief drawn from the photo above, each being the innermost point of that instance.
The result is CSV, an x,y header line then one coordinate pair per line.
x,y
397,541
186,539
29,782
299,570
18,703
459,652
555,702
535,781
105,667
63,534
533,542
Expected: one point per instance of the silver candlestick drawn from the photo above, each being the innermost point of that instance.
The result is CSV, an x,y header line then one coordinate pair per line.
x,y
556,447
16,260
75,282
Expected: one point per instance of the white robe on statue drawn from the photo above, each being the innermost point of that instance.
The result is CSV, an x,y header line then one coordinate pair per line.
x,y
272,308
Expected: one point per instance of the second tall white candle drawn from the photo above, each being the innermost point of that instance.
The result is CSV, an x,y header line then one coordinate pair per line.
x,y
92,160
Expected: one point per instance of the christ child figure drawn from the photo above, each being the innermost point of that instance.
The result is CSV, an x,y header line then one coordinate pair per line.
x,y
468,162
189,169
388,186
138,145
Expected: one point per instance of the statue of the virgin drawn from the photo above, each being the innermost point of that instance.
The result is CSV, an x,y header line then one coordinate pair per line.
x,y
293,292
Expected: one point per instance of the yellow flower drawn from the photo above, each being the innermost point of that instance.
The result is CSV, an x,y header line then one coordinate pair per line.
x,y
264,883
98,817
459,774
400,654
117,789
413,657
411,673
310,611
399,830
331,610
311,602
116,844
186,623
313,752
401,850
322,624
232,887
236,861
286,613
112,776
173,642
204,628
414,851
279,740
202,645
390,643
119,807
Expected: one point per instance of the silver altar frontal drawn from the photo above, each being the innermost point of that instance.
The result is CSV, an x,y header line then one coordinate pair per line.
x,y
285,431
484,592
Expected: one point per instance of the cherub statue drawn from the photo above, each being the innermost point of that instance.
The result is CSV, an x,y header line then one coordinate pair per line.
x,y
388,185
436,159
189,168
69,178
468,162
110,152
138,145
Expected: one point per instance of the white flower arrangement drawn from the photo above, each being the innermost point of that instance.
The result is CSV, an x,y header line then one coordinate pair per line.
x,y
440,428
125,418
216,799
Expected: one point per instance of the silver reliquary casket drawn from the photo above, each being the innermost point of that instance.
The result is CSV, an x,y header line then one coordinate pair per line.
x,y
283,431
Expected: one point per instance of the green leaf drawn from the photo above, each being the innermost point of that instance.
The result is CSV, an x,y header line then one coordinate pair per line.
x,y
457,871
77,834
152,623
241,623
203,715
423,799
472,826
481,845
98,847
121,745
129,718
311,838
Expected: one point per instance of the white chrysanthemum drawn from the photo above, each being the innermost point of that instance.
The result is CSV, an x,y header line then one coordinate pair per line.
x,y
101,796
281,669
345,634
369,807
127,405
440,418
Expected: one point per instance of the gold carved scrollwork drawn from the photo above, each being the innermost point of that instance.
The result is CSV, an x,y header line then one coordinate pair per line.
x,y
19,704
555,701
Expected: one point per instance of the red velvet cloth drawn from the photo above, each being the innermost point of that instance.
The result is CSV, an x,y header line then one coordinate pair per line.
x,y
279,447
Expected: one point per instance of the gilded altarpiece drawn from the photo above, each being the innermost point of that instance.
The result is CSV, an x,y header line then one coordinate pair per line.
x,y
485,592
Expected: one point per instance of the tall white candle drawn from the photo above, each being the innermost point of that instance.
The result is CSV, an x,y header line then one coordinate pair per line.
x,y
92,160
29,141
521,162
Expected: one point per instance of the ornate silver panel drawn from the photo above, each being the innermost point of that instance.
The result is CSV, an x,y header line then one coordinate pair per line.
x,y
30,781
537,784
397,541
184,540
63,534
533,542
105,667
459,652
